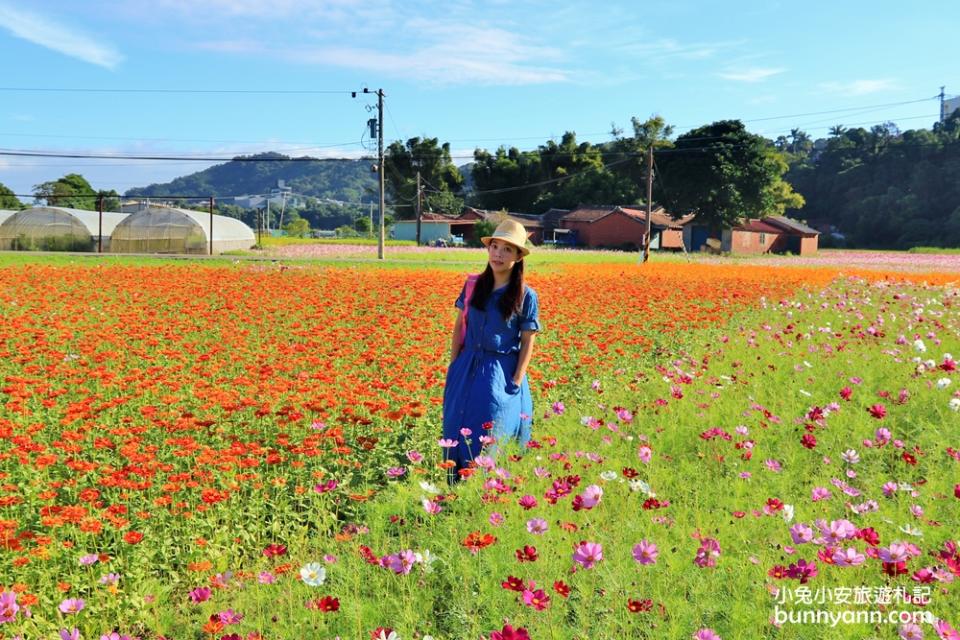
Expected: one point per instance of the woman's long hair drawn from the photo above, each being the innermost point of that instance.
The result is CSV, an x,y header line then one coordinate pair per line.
x,y
512,298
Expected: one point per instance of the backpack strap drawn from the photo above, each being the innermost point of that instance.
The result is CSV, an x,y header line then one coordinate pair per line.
x,y
468,288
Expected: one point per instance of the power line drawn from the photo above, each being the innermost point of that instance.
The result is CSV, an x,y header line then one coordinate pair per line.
x,y
191,91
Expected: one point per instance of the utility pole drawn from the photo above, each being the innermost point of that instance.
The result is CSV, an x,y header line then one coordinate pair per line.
x,y
211,225
419,207
379,93
942,97
100,224
646,238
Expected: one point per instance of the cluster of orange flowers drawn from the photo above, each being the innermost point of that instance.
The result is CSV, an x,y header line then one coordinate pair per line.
x,y
136,395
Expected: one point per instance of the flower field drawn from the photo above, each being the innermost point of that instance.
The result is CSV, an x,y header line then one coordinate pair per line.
x,y
251,451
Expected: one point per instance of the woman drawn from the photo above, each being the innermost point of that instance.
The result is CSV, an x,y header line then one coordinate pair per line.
x,y
487,394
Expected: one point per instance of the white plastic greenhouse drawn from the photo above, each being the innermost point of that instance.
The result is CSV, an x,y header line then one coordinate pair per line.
x,y
5,213
57,229
169,230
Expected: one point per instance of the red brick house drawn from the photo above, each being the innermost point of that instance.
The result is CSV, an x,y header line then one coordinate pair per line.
x,y
615,227
772,234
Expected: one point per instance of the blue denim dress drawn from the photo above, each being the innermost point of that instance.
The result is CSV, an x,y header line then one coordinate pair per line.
x,y
479,386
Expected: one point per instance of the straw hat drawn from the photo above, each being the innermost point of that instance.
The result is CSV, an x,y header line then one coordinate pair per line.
x,y
510,231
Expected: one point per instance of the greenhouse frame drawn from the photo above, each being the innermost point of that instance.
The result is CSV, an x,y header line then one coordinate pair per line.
x,y
158,229
57,229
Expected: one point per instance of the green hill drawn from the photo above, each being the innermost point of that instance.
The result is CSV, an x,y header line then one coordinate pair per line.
x,y
336,179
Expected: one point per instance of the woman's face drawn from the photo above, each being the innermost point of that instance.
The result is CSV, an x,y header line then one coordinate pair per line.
x,y
502,256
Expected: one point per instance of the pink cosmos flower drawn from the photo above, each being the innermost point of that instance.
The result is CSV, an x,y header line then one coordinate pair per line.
x,y
801,533
448,443
527,502
910,631
896,552
509,633
537,526
72,605
431,507
706,634
848,557
645,552
265,577
878,411
708,553
837,530
558,408
465,432
414,456
590,497
889,488
945,631
588,554
645,453
8,606
200,594
496,518
70,634
230,617
536,599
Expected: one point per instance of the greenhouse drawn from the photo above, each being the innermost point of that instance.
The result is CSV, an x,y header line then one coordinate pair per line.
x,y
57,229
169,230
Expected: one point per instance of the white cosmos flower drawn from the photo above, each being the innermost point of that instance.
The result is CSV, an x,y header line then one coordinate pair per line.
x,y
943,383
954,404
918,346
787,512
429,488
609,476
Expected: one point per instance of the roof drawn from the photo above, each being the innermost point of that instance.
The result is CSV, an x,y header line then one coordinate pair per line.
x,y
757,226
790,225
592,213
89,219
530,220
5,213
151,222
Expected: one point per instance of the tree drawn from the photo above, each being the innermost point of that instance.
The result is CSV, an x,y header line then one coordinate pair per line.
x,y
8,200
73,191
631,161
439,176
363,226
298,228
722,173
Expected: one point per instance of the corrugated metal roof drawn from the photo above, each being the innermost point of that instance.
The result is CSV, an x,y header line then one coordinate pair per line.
x,y
757,226
791,225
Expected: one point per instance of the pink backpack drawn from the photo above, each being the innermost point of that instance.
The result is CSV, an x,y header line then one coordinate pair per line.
x,y
467,295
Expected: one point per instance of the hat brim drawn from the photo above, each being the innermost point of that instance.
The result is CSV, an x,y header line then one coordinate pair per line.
x,y
524,251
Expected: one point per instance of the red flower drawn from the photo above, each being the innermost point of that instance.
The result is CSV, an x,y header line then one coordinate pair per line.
x,y
846,392
878,411
561,588
629,472
513,583
639,606
956,491
328,604
778,572
132,537
476,541
808,440
385,631
272,550
509,633
527,554
909,458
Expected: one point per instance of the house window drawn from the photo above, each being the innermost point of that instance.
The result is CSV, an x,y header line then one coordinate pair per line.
x,y
763,238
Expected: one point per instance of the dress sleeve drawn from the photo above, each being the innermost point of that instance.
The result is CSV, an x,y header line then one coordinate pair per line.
x,y
459,303
530,312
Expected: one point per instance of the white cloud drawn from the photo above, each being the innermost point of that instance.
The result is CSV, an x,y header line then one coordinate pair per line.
x,y
752,74
438,52
42,31
859,87
668,48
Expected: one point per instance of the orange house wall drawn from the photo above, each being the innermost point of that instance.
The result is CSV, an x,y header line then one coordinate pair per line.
x,y
611,231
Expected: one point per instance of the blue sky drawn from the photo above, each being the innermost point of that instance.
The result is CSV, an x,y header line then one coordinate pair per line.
x,y
476,74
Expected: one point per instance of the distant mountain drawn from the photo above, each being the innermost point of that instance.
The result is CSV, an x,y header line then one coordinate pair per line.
x,y
335,179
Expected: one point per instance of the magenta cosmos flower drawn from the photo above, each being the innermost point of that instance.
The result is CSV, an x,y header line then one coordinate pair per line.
x,y
645,552
72,605
588,554
706,634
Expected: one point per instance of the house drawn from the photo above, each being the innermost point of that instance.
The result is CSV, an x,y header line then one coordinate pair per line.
x,y
433,227
772,234
616,226
533,223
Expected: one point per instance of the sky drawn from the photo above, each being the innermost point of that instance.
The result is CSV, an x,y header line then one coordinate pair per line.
x,y
217,78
